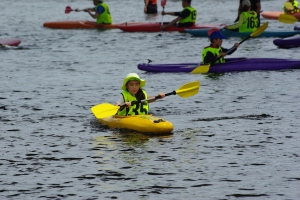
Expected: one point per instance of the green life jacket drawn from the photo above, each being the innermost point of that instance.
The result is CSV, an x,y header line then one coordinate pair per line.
x,y
214,51
105,17
192,17
251,24
136,108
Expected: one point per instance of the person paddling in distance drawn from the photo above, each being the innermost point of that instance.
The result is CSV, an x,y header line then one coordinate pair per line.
x,y
255,6
291,7
248,21
150,7
101,12
215,53
132,95
185,18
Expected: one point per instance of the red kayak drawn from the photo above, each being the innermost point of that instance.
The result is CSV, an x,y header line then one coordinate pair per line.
x,y
10,42
82,25
275,14
155,27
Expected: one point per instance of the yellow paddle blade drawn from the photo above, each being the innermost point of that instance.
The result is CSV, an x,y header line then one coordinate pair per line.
x,y
188,89
260,30
288,5
201,69
104,110
288,19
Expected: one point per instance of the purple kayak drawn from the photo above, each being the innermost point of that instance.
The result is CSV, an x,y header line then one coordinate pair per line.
x,y
231,65
289,42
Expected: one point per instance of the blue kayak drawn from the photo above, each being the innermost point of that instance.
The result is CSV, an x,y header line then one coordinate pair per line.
x,y
228,33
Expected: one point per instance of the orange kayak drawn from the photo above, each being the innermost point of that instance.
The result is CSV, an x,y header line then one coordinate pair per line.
x,y
275,14
82,24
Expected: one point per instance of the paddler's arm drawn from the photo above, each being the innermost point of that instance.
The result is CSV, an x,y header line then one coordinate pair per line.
x,y
170,13
146,5
258,8
98,12
239,12
236,45
120,102
172,23
242,20
90,9
91,14
161,94
180,16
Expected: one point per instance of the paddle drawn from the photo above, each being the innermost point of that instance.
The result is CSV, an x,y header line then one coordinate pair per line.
x,y
202,69
106,109
288,19
69,9
163,4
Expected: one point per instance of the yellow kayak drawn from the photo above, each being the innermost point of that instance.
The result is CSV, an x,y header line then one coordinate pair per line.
x,y
105,113
141,123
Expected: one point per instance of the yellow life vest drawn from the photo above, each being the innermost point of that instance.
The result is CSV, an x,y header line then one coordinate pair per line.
x,y
136,108
214,51
105,17
251,24
191,18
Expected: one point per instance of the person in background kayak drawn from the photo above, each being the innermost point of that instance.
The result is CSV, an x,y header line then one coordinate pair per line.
x,y
248,20
185,18
150,7
291,7
215,53
132,95
255,6
101,12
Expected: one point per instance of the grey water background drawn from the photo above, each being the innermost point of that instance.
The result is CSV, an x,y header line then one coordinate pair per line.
x,y
238,138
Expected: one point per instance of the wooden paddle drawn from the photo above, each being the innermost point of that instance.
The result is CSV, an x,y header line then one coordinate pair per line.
x,y
288,19
202,69
106,109
163,4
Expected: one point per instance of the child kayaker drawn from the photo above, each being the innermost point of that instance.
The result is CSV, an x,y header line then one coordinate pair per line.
x,y
132,95
291,7
150,7
101,12
255,6
214,53
248,20
185,18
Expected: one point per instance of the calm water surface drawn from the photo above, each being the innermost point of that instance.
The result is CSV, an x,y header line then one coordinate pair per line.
x,y
238,138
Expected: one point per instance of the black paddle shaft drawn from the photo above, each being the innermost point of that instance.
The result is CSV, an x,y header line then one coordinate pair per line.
x,y
168,94
158,96
234,48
